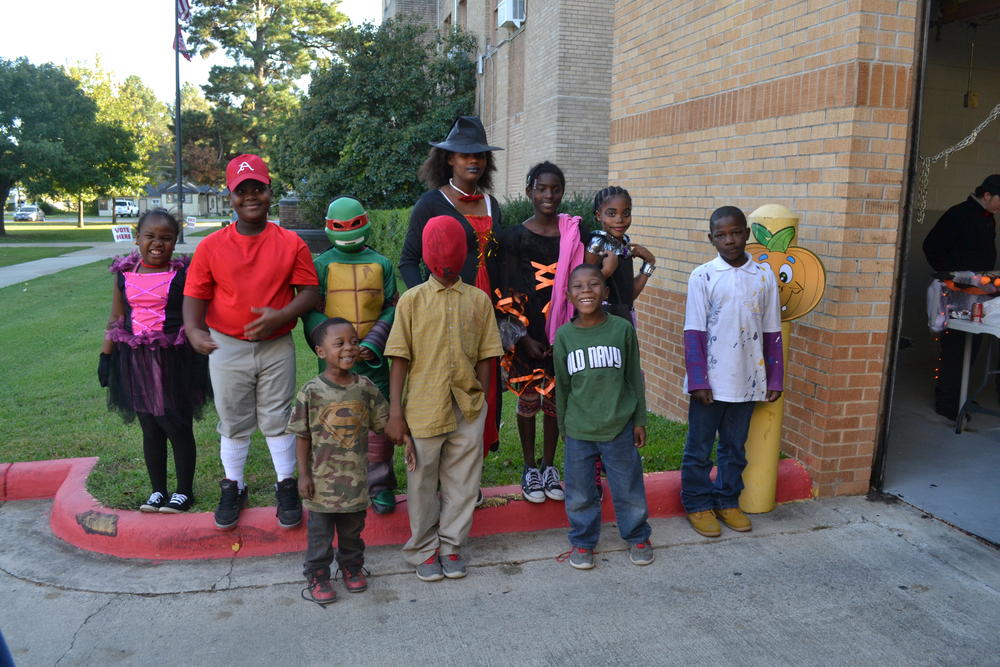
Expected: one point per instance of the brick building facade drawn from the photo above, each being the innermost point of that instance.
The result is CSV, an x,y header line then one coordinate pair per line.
x,y
801,103
544,86
813,104
425,10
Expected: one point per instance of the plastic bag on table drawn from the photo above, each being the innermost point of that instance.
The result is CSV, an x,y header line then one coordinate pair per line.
x,y
937,306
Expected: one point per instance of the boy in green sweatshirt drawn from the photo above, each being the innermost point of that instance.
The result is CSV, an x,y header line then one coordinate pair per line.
x,y
601,407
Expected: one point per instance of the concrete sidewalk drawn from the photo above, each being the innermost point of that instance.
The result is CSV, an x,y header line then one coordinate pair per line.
x,y
829,582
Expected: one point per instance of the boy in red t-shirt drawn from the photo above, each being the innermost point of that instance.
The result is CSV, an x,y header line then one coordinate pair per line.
x,y
247,285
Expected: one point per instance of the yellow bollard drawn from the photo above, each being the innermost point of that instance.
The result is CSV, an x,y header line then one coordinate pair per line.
x,y
763,448
801,281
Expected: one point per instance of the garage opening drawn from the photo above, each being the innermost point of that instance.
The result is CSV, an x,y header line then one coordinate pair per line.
x,y
954,476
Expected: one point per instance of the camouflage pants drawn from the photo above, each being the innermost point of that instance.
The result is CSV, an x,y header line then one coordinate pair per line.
x,y
350,547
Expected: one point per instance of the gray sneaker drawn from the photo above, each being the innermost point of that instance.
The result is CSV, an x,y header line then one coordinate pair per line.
x,y
581,559
641,553
430,569
453,566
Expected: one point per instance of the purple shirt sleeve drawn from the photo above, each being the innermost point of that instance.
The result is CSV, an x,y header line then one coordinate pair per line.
x,y
774,363
696,359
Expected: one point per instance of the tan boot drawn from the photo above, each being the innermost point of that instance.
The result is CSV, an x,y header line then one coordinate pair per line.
x,y
704,523
735,519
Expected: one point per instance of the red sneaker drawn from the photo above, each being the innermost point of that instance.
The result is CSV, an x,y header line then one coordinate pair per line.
x,y
319,591
355,581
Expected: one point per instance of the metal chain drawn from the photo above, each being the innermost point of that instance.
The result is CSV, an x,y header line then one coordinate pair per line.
x,y
926,162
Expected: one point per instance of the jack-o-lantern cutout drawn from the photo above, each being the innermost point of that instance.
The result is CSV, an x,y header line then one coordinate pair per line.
x,y
800,273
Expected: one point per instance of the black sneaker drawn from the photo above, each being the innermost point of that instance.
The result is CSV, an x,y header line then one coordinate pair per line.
x,y
551,484
531,486
154,503
227,514
178,503
289,510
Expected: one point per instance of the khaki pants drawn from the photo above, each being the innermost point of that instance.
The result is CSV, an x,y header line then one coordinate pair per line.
x,y
452,462
254,384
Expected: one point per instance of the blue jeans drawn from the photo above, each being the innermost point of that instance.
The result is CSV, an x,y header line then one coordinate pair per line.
x,y
624,469
731,421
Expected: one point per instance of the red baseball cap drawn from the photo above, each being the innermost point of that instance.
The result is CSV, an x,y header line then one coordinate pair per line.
x,y
243,168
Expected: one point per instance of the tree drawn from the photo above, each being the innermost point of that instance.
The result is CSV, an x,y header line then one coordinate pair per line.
x,y
370,112
133,127
209,138
50,139
201,164
272,44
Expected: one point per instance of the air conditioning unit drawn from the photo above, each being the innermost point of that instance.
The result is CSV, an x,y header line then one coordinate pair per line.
x,y
510,13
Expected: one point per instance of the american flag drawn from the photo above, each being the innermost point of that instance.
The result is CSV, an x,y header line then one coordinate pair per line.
x,y
184,10
180,46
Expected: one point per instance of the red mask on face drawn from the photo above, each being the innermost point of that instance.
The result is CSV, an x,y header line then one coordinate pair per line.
x,y
444,246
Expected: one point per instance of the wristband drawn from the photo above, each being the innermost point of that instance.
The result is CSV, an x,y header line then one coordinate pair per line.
x,y
647,269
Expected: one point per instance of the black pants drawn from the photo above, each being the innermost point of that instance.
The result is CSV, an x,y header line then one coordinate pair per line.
x,y
350,547
155,433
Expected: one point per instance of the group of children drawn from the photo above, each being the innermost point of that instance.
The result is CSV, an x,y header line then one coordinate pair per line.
x,y
416,370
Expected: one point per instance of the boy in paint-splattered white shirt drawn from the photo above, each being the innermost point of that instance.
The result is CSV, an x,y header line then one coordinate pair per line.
x,y
733,356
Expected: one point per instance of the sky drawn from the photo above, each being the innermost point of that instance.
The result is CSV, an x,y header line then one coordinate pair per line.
x,y
128,36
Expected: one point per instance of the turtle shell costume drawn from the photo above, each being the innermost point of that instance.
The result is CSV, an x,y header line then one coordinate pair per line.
x,y
359,285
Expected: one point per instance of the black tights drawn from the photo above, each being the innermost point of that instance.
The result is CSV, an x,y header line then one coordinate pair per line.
x,y
155,432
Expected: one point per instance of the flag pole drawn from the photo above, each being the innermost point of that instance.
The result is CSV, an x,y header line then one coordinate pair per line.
x,y
177,118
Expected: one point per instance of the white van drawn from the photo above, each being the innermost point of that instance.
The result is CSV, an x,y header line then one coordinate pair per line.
x,y
126,208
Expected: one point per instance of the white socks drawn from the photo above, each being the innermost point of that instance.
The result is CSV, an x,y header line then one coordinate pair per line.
x,y
234,452
282,454
234,457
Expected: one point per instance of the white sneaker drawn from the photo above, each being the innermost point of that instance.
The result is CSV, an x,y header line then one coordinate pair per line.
x,y
551,484
531,486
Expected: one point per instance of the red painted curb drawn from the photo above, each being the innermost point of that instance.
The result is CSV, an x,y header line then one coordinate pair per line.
x,y
39,479
80,520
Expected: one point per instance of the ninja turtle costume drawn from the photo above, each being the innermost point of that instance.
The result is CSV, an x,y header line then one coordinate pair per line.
x,y
359,285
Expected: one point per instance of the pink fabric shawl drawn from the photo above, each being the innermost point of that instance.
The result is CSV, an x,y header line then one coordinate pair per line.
x,y
570,256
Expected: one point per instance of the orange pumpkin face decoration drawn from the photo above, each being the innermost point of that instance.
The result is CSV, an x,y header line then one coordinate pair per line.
x,y
800,273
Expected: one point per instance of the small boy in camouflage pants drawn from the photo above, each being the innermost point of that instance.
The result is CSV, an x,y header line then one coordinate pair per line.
x,y
331,418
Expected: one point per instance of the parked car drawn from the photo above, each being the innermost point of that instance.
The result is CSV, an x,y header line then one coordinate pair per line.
x,y
126,208
33,213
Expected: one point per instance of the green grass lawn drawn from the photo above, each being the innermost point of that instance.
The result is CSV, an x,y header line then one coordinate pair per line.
x,y
52,407
56,231
10,256
66,231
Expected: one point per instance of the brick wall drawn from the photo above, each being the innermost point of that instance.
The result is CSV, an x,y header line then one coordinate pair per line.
x,y
799,102
544,93
425,10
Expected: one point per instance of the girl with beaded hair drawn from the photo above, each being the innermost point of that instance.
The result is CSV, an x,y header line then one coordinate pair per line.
x,y
610,248
459,173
